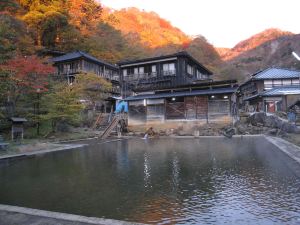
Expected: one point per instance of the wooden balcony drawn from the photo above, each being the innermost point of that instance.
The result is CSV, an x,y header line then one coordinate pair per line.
x,y
168,72
141,76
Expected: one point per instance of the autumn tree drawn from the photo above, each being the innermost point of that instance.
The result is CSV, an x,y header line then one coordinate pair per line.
x,y
84,15
46,19
24,76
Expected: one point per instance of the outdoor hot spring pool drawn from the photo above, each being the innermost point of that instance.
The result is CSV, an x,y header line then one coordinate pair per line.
x,y
161,181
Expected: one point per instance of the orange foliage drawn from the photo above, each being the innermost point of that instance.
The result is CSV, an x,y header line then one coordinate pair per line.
x,y
84,14
253,42
153,31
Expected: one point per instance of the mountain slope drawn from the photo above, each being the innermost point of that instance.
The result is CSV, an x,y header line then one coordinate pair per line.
x,y
276,52
252,42
152,29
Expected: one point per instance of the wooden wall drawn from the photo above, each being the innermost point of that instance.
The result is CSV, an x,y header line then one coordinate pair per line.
x,y
175,109
196,107
180,108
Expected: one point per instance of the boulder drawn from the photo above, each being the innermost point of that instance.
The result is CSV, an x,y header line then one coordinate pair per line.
x,y
272,132
271,121
257,118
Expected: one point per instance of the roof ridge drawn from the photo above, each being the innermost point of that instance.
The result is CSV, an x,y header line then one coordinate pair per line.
x,y
260,71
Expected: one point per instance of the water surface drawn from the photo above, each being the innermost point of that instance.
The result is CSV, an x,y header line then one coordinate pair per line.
x,y
161,181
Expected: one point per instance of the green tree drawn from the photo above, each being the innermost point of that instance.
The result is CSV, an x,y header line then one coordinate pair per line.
x,y
13,38
62,106
9,6
91,88
64,102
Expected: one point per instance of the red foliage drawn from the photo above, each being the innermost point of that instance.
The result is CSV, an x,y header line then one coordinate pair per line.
x,y
186,44
164,24
29,72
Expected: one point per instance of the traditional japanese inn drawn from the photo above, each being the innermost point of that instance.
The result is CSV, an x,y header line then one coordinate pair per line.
x,y
270,90
178,88
175,88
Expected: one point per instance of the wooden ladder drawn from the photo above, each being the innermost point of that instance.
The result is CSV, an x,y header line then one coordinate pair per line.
x,y
98,121
110,127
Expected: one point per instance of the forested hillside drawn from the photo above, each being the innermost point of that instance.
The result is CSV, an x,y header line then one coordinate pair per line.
x,y
271,47
86,25
30,26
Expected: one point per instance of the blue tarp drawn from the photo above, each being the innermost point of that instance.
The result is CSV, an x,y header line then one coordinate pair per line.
x,y
122,106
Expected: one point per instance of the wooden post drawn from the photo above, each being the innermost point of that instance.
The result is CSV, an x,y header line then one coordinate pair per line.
x,y
207,109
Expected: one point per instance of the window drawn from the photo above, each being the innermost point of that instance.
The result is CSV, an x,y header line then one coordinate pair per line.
x,y
153,68
141,70
169,69
295,81
201,76
286,82
268,84
124,72
277,83
136,70
189,69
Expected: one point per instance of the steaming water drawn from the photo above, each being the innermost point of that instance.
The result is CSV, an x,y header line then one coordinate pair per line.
x,y
163,181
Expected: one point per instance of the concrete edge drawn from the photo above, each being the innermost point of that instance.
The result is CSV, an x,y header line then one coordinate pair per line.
x,y
290,149
195,137
62,216
75,140
63,148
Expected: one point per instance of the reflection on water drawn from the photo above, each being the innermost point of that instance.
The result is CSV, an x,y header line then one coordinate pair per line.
x,y
162,181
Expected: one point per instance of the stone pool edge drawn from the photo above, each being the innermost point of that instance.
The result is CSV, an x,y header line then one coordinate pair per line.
x,y
53,217
290,149
26,154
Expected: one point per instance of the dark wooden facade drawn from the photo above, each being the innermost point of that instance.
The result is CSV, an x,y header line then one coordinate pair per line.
x,y
188,103
71,64
162,72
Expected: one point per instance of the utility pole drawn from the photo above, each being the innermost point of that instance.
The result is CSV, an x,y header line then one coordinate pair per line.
x,y
38,112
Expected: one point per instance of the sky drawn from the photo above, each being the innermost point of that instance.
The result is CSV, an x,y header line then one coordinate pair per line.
x,y
224,23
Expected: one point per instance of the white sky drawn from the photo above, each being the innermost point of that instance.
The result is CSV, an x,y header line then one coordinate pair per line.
x,y
223,22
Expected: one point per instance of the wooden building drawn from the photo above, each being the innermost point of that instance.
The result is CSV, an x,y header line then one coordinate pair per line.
x,y
161,72
270,90
208,104
73,63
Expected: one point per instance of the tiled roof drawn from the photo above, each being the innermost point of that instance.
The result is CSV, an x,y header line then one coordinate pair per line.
x,y
276,73
183,93
18,119
291,90
80,54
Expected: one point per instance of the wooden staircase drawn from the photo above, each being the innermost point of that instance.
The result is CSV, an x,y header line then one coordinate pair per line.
x,y
116,119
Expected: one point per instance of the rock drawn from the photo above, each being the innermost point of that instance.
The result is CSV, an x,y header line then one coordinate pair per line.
x,y
272,132
169,132
290,128
256,118
271,121
241,129
229,132
282,133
